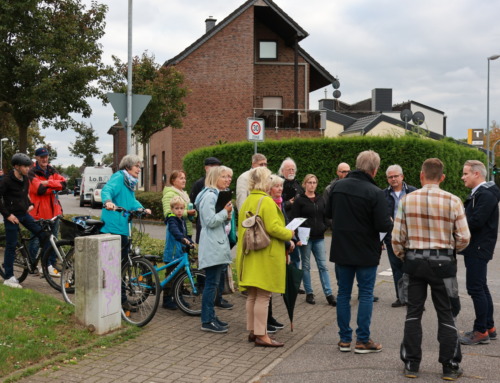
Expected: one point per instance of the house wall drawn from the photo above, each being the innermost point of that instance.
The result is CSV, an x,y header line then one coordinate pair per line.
x,y
386,129
333,129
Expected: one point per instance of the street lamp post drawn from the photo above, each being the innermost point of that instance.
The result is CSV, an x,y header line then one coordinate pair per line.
x,y
1,152
491,156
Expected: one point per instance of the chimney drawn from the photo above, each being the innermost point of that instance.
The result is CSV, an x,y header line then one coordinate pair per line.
x,y
381,100
210,23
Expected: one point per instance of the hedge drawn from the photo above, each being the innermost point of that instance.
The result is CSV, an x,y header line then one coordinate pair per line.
x,y
321,156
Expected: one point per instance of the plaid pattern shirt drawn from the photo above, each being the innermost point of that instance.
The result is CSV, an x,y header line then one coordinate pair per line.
x,y
430,218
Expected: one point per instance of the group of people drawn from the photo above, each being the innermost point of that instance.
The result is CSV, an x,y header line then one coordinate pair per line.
x,y
28,192
422,229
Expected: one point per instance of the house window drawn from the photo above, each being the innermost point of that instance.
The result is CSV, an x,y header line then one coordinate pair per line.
x,y
153,171
268,50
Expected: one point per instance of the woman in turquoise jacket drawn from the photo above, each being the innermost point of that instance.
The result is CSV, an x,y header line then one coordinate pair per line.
x,y
263,271
119,191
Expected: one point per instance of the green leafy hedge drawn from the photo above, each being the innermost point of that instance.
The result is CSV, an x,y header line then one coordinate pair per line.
x,y
321,156
151,200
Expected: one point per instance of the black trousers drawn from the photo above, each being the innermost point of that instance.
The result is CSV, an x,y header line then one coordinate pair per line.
x,y
449,345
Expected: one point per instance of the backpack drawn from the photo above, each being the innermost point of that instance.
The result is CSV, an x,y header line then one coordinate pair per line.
x,y
255,237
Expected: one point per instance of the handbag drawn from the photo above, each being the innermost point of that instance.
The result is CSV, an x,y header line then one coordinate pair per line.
x,y
255,237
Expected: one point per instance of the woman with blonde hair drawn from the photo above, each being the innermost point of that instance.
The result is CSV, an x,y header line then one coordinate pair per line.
x,y
213,251
262,272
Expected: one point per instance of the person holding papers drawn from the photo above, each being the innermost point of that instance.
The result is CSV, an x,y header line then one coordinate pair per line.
x,y
311,205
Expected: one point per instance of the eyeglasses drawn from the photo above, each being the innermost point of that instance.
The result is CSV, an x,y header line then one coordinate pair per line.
x,y
393,177
344,171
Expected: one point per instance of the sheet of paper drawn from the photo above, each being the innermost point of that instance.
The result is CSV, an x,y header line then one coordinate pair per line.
x,y
303,233
382,236
295,223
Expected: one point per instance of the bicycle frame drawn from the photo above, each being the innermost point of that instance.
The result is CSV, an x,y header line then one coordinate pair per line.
x,y
182,262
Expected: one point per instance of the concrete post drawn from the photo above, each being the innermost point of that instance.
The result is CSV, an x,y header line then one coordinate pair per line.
x,y
98,282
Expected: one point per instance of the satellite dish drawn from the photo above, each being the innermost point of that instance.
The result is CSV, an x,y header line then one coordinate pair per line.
x,y
418,118
335,84
406,115
336,93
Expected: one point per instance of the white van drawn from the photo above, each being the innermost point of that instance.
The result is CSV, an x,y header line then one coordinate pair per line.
x,y
91,176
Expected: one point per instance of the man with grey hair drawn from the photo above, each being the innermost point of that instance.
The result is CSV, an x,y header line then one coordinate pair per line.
x,y
291,187
396,190
242,191
481,210
359,212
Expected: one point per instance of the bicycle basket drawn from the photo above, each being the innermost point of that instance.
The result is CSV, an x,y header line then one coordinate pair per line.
x,y
69,229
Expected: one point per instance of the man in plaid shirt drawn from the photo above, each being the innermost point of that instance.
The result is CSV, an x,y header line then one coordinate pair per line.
x,y
429,229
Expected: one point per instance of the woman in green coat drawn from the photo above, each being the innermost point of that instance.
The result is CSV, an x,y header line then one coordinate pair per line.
x,y
262,272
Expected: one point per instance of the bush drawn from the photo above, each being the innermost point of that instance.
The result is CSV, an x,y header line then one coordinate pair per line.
x,y
151,200
320,156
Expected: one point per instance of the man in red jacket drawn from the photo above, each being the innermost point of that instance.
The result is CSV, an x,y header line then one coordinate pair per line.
x,y
45,182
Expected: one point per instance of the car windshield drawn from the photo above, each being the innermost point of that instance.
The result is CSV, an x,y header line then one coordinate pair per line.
x,y
100,185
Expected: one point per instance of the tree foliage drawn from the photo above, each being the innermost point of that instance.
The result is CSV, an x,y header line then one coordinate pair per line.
x,y
85,145
107,159
49,61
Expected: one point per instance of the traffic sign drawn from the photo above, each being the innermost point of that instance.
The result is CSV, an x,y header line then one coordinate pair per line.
x,y
255,129
119,103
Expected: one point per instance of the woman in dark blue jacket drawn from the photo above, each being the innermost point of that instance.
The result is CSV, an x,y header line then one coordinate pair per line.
x,y
311,205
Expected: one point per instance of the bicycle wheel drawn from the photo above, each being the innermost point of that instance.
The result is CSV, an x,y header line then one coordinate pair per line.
x,y
186,298
68,276
64,247
20,264
142,290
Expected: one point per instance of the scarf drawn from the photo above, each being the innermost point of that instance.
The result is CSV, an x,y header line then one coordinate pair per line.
x,y
278,201
182,194
129,180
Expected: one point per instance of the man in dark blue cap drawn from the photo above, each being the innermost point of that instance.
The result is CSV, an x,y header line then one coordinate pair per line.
x,y
45,182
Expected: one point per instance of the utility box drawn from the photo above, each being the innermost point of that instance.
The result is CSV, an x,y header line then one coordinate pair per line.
x,y
98,282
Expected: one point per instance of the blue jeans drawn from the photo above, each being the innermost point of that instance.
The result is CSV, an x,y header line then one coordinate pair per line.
x,y
317,246
366,282
11,233
212,280
222,284
34,245
476,270
396,265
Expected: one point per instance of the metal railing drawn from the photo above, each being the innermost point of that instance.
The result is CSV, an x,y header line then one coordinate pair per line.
x,y
292,118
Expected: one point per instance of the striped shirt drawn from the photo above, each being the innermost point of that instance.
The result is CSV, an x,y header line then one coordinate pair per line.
x,y
430,218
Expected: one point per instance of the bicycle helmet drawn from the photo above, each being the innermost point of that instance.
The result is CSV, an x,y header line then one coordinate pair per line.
x,y
20,159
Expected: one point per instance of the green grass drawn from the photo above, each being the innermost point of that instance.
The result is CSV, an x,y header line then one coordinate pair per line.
x,y
39,331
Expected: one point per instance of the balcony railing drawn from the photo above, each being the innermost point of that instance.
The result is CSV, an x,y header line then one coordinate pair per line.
x,y
292,118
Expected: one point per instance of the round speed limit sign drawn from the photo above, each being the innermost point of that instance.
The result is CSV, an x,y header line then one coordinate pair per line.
x,y
255,128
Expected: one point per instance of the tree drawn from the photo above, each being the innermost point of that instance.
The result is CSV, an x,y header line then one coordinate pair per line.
x,y
49,60
164,84
85,145
107,159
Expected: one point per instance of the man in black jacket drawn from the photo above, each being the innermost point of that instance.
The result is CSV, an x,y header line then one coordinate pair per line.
x,y
396,190
359,213
481,209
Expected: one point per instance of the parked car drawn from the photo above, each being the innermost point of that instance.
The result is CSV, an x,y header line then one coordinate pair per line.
x,y
96,200
76,189
64,191
91,176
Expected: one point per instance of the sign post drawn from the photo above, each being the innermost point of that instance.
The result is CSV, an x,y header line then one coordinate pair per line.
x,y
255,131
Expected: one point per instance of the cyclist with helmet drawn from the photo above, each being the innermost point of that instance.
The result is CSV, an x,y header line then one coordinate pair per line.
x,y
14,206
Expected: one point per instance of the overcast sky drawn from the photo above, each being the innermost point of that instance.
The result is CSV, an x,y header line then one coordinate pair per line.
x,y
431,52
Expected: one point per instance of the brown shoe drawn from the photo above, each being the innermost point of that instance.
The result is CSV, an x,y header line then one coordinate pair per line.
x,y
368,347
251,337
274,343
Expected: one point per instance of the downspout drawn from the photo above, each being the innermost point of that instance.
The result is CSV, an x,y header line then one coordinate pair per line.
x,y
296,78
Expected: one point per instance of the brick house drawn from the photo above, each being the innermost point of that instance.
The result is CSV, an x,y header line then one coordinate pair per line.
x,y
248,65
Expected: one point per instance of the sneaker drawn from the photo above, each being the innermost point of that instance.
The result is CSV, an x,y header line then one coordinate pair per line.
x,y
492,332
301,291
221,323
397,303
451,371
12,282
273,322
367,347
169,303
223,304
213,327
475,337
310,299
271,329
53,272
411,370
345,346
331,300
127,306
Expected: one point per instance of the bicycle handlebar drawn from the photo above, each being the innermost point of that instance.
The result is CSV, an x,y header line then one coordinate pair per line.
x,y
135,213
